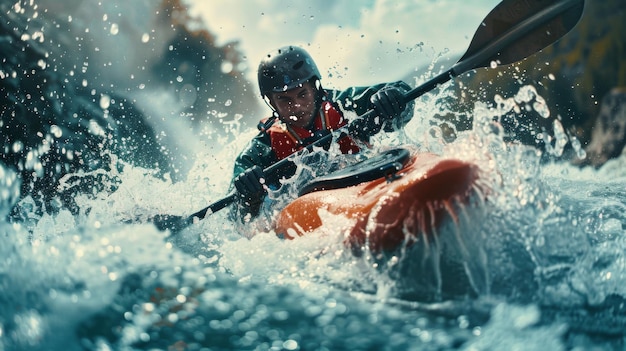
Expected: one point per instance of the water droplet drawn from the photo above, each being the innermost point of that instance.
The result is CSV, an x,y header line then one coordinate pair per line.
x,y
17,146
227,67
56,131
290,345
105,101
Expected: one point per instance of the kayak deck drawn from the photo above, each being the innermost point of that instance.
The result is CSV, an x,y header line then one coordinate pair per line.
x,y
389,211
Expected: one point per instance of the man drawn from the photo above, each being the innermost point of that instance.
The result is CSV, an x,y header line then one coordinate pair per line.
x,y
303,112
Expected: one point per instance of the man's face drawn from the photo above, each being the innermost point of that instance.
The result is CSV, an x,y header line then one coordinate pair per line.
x,y
295,106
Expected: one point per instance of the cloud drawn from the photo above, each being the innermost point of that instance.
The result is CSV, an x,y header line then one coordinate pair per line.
x,y
353,42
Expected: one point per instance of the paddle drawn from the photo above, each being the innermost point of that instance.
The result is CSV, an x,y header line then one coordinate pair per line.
x,y
512,31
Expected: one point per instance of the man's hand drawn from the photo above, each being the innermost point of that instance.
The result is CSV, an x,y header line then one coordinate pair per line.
x,y
251,188
388,102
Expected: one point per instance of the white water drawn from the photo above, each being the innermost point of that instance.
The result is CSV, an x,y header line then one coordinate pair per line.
x,y
64,269
552,239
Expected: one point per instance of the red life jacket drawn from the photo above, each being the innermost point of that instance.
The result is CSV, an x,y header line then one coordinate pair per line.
x,y
286,139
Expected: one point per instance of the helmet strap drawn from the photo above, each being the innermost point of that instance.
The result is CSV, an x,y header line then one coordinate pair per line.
x,y
268,102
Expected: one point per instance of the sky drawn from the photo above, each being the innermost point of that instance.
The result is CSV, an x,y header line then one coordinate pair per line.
x,y
354,42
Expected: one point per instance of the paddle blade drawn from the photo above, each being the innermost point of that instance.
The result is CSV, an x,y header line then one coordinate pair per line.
x,y
516,29
171,222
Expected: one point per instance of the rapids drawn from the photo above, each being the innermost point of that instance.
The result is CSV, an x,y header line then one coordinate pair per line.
x,y
547,259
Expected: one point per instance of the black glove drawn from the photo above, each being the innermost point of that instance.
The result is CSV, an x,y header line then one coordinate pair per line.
x,y
251,190
388,102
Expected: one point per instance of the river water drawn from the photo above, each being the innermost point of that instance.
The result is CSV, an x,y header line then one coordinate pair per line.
x,y
548,261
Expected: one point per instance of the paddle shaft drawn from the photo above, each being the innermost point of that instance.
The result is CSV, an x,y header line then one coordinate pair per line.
x,y
479,57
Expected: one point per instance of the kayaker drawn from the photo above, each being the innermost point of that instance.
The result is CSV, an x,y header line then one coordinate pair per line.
x,y
303,111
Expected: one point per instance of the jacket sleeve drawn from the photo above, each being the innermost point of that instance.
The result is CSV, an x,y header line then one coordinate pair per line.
x,y
258,152
357,99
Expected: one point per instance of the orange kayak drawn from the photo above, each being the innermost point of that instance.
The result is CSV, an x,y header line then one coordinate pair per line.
x,y
390,211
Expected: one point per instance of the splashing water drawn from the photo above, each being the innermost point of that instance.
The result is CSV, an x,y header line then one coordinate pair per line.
x,y
541,249
211,286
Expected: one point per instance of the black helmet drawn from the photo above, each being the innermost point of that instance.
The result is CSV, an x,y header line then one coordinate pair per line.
x,y
285,69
